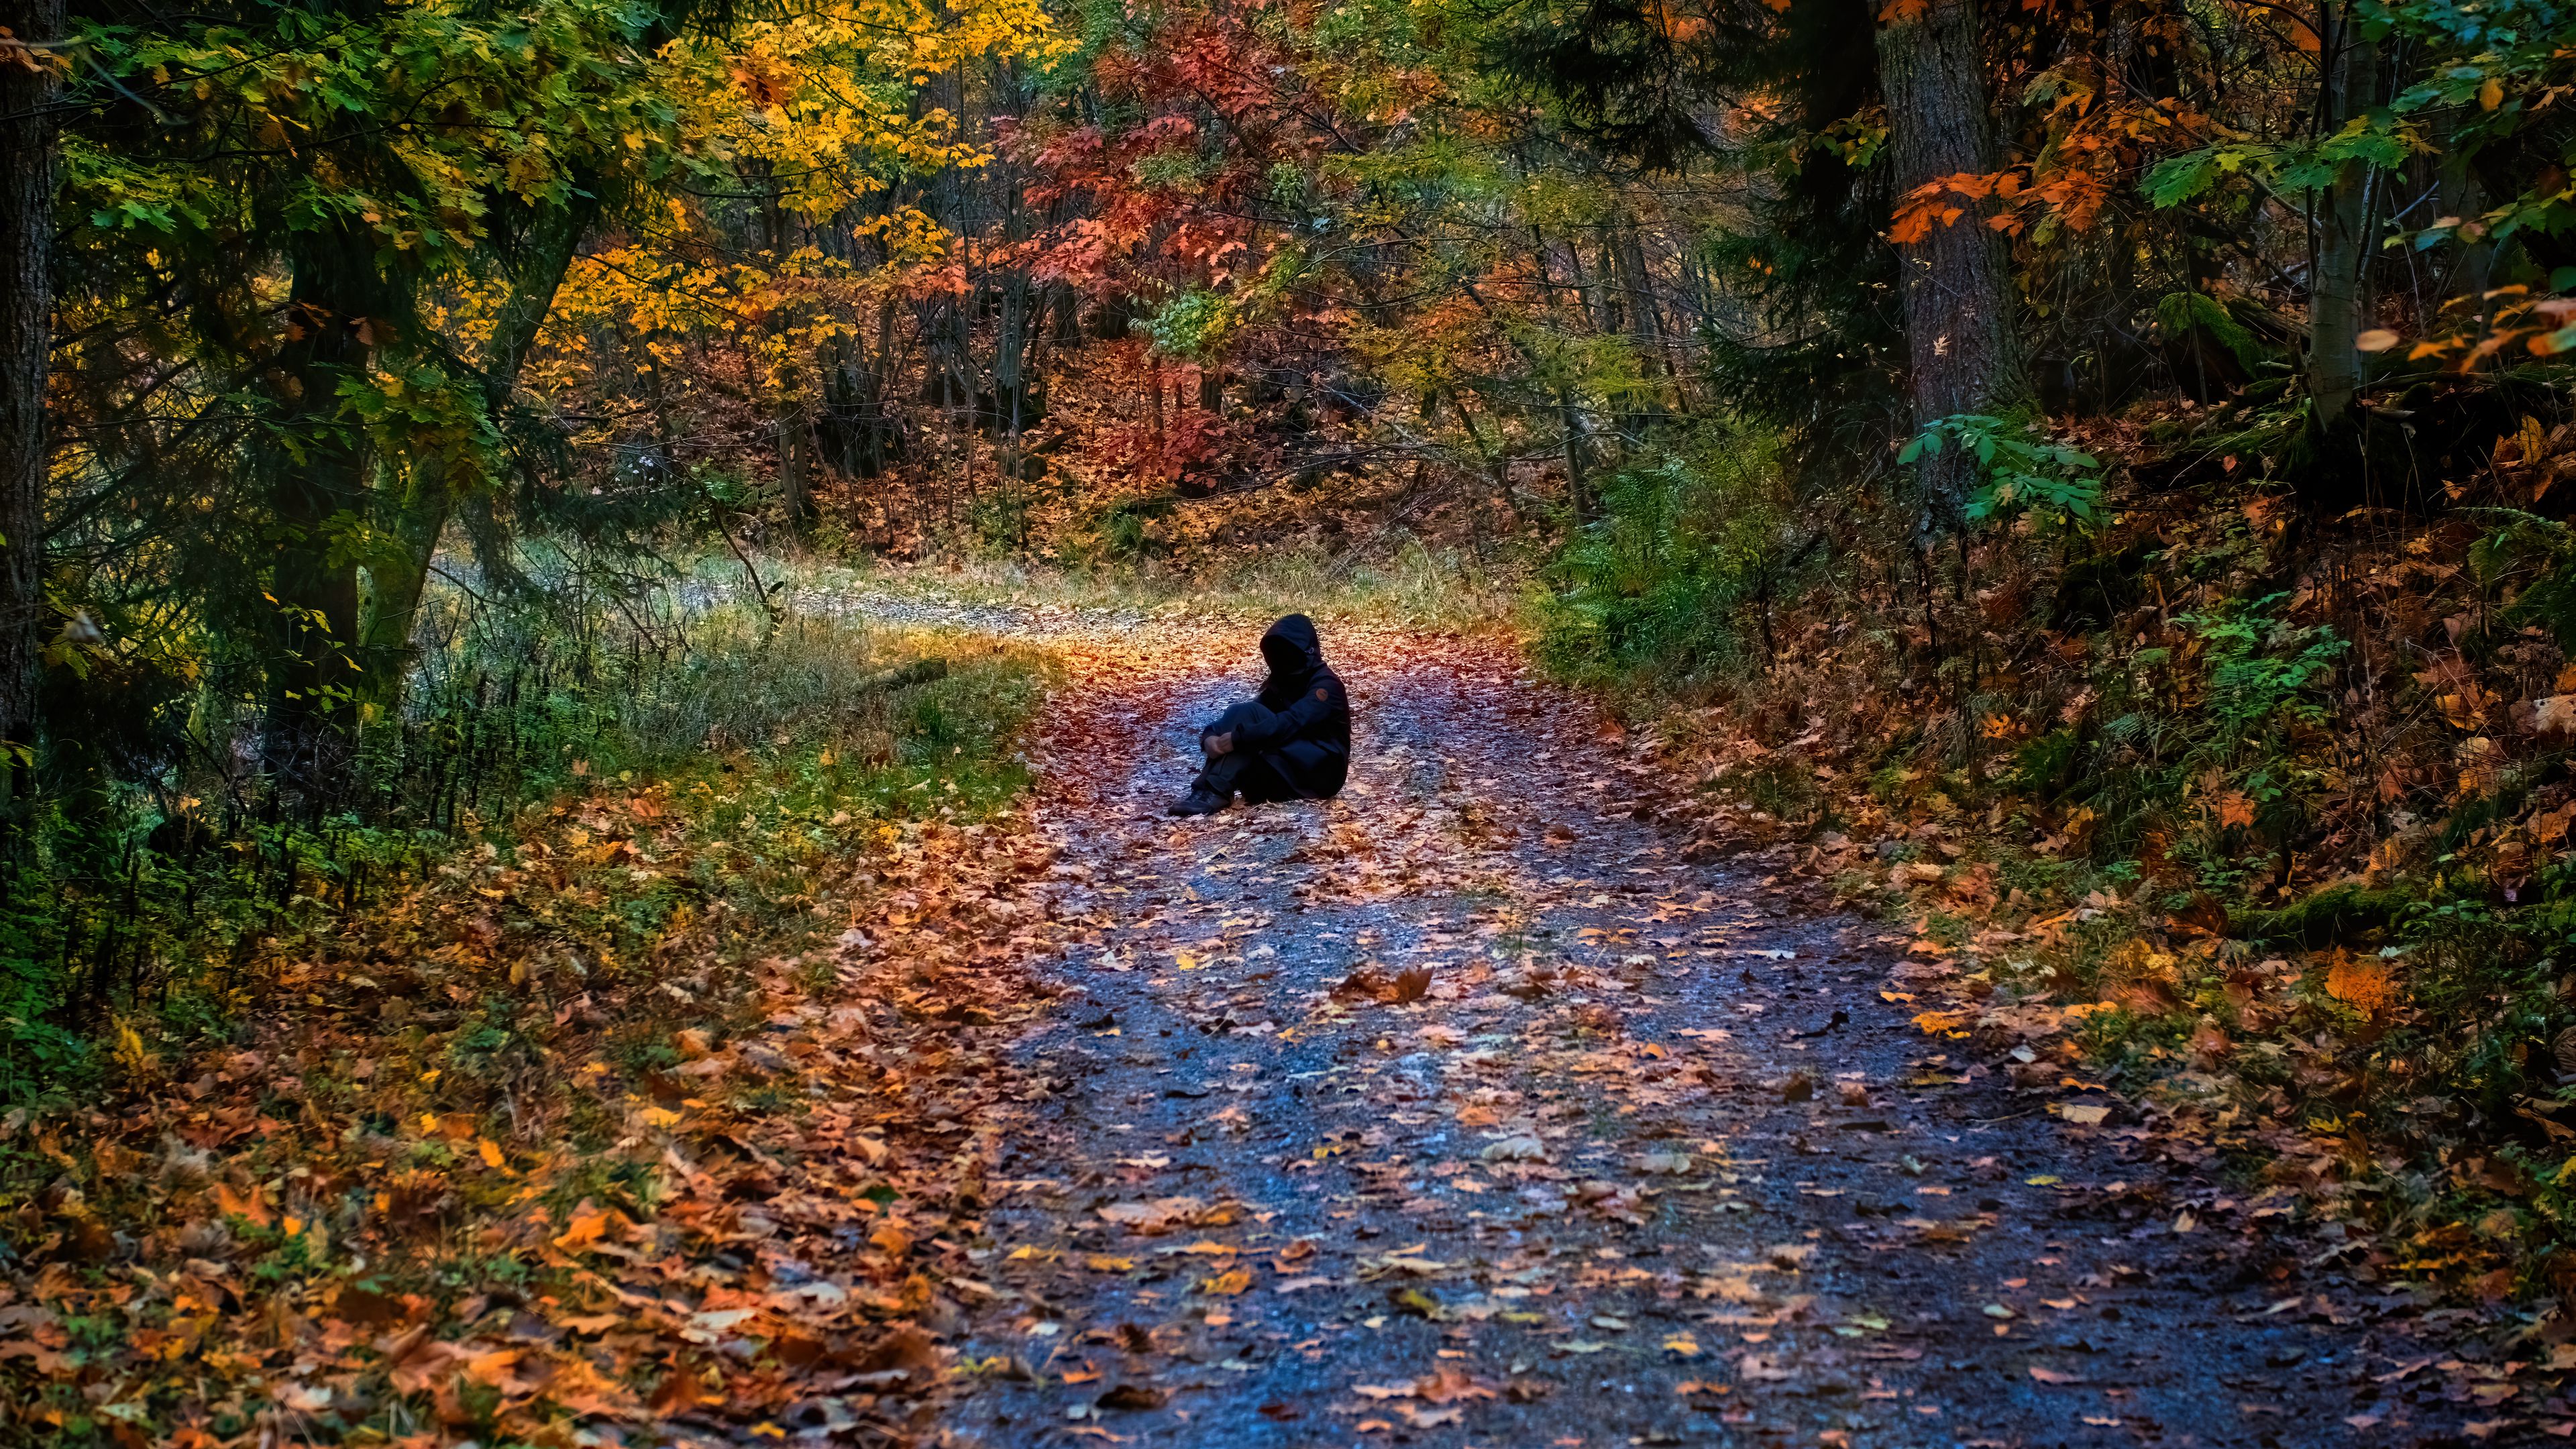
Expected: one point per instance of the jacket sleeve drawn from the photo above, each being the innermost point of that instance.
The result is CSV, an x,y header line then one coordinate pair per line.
x,y
1311,709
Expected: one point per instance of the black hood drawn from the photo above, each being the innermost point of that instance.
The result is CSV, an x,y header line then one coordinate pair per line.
x,y
1292,651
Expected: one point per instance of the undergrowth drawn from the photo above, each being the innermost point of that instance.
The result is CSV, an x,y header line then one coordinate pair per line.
x,y
1408,581
621,923
153,915
2283,811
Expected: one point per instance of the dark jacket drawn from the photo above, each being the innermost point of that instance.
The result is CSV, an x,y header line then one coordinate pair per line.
x,y
1302,728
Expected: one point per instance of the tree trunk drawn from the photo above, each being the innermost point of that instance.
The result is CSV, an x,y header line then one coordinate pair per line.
x,y
28,131
1964,355
315,472
421,517
1579,498
795,462
2341,224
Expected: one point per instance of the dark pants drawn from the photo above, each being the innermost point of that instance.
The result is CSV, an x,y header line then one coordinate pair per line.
x,y
1240,771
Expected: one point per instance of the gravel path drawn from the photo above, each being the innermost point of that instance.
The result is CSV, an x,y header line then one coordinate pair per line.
x,y
1460,1111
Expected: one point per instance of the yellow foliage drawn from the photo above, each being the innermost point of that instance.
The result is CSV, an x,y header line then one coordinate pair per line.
x,y
132,1055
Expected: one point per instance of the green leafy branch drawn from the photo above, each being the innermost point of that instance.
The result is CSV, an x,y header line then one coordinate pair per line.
x,y
2020,468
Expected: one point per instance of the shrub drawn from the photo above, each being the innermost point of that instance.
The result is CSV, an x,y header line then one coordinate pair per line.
x,y
1696,544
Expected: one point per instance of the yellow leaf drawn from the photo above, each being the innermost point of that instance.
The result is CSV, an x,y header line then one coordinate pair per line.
x,y
491,1151
1234,1281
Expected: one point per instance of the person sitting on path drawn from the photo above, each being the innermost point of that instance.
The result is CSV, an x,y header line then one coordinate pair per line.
x,y
1291,743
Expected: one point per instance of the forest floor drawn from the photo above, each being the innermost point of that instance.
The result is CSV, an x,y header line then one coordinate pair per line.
x,y
1461,1110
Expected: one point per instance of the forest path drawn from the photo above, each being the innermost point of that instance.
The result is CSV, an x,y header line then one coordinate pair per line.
x,y
1650,1160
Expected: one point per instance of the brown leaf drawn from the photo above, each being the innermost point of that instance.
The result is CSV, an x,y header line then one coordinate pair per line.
x,y
1131,1396
1365,981
360,1305
1447,1384
1156,1216
904,1349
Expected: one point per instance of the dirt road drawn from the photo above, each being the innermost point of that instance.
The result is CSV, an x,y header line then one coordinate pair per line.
x,y
1459,1111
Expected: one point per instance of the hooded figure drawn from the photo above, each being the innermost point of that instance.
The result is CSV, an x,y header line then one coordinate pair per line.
x,y
1291,743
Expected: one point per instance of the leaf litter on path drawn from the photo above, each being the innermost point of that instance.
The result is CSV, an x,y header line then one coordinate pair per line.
x,y
1502,1072
1460,1107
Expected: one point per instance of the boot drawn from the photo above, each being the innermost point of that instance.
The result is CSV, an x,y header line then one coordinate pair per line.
x,y
1200,801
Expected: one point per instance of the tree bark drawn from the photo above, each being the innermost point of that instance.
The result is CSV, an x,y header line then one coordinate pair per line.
x,y
2341,224
1965,356
315,471
29,131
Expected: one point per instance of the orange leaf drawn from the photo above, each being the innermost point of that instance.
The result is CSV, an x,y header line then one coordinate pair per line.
x,y
586,1227
252,1205
2361,982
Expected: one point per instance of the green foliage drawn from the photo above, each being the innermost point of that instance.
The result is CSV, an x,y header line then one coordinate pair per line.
x,y
1124,527
2181,313
2288,169
2539,554
2209,748
2019,469
1193,325
1696,543
2263,674
2493,73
